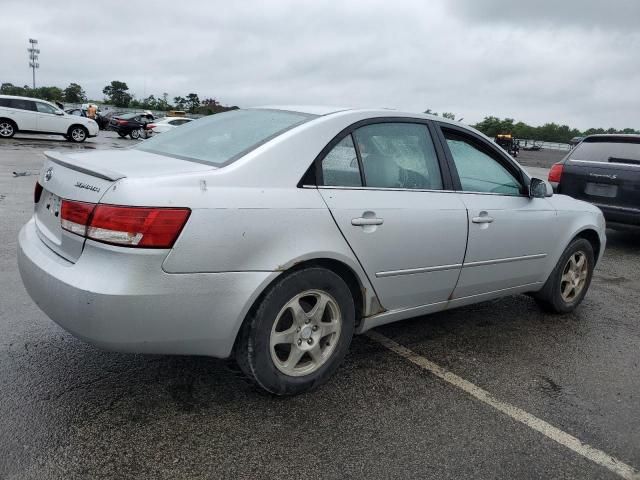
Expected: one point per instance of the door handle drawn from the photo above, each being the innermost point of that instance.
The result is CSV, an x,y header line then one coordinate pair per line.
x,y
482,218
362,221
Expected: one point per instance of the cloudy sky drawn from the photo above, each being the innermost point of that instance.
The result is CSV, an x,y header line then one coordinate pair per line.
x,y
574,62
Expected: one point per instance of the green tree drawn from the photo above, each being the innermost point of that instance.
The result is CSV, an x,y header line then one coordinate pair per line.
x,y
74,94
193,102
53,94
11,89
428,111
448,115
118,93
150,103
180,102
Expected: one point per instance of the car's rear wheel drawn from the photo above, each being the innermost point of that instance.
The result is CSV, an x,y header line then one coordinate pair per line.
x,y
299,333
77,133
7,128
135,134
568,283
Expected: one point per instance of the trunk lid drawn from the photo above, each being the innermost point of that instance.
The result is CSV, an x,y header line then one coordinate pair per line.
x,y
86,177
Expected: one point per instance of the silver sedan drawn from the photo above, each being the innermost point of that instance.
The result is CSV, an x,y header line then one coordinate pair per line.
x,y
273,235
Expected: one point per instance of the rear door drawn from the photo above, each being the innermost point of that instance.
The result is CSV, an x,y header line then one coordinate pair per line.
x,y
384,186
605,171
510,234
24,113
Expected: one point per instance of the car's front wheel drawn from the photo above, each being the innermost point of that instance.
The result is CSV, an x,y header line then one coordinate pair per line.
x,y
299,333
568,283
7,128
77,134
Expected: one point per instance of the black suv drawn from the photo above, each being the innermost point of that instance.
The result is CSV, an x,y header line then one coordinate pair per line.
x,y
605,171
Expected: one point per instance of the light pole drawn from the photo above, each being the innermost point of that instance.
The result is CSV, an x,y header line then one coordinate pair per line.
x,y
33,58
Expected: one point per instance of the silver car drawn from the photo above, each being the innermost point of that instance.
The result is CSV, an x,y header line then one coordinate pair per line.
x,y
273,235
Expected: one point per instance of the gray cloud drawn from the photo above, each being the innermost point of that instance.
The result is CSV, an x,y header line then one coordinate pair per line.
x,y
575,62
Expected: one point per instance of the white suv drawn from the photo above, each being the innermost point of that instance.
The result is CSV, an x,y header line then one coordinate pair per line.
x,y
31,115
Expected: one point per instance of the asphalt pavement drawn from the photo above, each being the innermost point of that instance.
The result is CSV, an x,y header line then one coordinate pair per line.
x,y
69,410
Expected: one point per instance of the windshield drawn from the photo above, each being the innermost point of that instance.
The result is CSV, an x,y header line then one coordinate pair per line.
x,y
608,151
224,137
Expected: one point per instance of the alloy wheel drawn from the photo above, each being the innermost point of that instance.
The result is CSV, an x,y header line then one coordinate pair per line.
x,y
78,134
305,333
574,276
6,129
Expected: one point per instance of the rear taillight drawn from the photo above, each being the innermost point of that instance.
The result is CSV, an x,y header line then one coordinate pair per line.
x,y
37,192
142,227
555,174
122,122
151,125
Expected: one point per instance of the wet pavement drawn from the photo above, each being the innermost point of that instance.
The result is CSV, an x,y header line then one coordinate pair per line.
x,y
69,410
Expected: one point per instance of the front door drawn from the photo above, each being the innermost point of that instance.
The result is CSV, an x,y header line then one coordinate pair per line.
x,y
383,185
510,234
48,121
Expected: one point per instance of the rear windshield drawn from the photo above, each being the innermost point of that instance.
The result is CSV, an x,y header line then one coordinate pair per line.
x,y
608,151
224,137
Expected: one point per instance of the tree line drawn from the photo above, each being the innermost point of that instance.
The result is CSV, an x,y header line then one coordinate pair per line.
x,y
117,94
549,132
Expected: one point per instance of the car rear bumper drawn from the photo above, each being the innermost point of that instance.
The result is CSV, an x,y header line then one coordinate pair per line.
x,y
121,299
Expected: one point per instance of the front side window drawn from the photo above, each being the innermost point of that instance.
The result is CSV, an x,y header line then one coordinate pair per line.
x,y
224,137
44,108
478,171
340,166
398,155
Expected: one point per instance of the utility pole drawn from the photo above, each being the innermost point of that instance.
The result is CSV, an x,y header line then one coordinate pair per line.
x,y
33,58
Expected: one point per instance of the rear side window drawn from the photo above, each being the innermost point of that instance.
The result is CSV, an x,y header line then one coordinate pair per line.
x,y
21,104
340,165
224,137
398,155
608,151
4,102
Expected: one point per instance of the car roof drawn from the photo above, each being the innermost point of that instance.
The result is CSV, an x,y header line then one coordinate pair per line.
x,y
320,110
25,98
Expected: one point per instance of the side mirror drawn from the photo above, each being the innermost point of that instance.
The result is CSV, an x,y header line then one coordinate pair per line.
x,y
59,112
539,188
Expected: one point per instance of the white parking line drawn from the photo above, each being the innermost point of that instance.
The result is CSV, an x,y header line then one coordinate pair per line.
x,y
597,456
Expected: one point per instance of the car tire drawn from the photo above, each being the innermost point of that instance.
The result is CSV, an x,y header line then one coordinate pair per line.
x,y
569,281
7,128
298,334
77,133
135,134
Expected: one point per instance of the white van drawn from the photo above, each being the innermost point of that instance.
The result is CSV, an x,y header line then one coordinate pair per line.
x,y
32,115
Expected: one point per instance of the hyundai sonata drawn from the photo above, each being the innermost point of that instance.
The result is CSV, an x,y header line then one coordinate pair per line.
x,y
273,235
